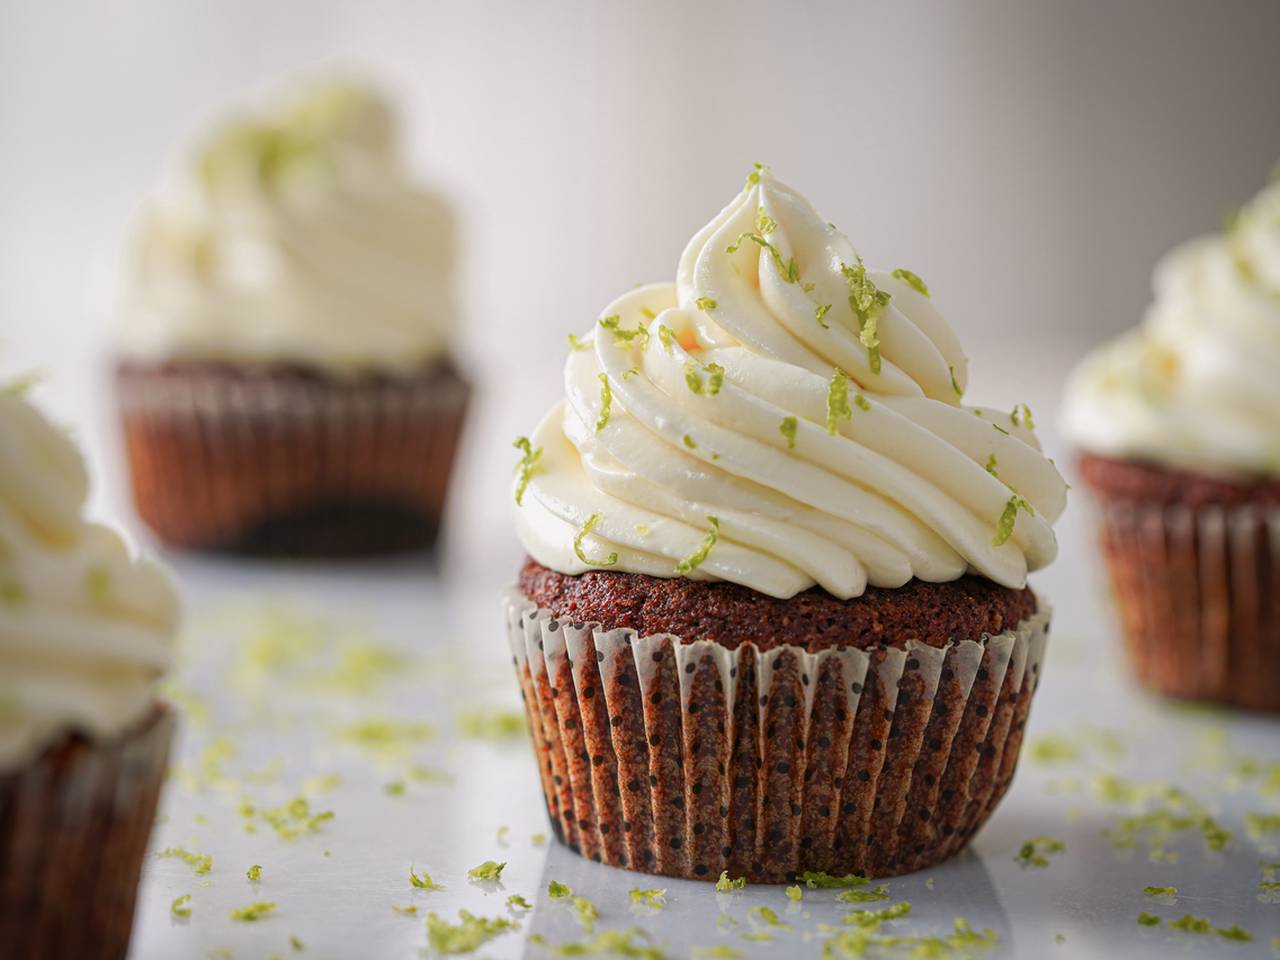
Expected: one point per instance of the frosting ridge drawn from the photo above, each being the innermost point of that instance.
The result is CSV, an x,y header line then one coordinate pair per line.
x,y
792,407
85,627
296,237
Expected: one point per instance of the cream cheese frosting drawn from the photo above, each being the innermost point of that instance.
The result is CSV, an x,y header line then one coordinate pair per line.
x,y
779,417
85,627
1196,386
295,238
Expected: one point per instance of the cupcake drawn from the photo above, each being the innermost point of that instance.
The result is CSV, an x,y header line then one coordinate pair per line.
x,y
85,630
774,615
1178,428
284,373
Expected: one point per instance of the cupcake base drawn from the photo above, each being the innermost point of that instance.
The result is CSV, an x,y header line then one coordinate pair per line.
x,y
1194,564
286,461
688,758
74,827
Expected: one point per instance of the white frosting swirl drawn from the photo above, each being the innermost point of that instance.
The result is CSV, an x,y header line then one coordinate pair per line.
x,y
1196,386
898,491
85,629
296,238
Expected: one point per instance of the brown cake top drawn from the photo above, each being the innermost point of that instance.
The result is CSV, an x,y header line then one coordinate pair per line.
x,y
729,614
1142,482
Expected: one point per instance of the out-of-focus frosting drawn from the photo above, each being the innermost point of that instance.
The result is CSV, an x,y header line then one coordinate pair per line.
x,y
85,628
900,490
1198,384
295,238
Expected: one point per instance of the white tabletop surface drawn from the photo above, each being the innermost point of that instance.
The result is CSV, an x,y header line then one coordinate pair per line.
x,y
267,721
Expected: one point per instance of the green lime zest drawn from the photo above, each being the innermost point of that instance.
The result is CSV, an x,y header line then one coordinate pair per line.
x,y
955,384
695,559
179,906
1020,416
606,402
1234,932
467,935
410,910
492,724
423,880
557,890
794,892
254,911
862,403
254,873
725,885
648,314
655,898
489,870
527,466
588,913
517,902
867,301
788,269
820,314
693,377
912,280
1034,853
992,465
667,337
705,303
200,863
788,429
1148,919
578,343
640,335
689,442
1189,924
818,880
879,892
1008,517
838,401
1151,891
754,176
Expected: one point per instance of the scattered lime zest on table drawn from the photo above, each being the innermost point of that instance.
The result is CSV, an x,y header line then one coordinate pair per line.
x,y
254,911
422,881
489,870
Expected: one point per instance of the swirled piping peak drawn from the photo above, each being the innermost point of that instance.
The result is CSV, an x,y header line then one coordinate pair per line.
x,y
782,416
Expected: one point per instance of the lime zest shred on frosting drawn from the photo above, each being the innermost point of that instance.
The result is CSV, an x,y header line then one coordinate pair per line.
x,y
97,583
1008,518
1020,416
467,935
705,303
254,911
838,401
992,465
693,377
788,269
754,176
179,906
640,334
667,337
788,429
690,563
913,281
422,881
726,885
578,343
1000,428
955,384
820,314
489,870
606,402
649,314
528,465
689,442
862,403
867,301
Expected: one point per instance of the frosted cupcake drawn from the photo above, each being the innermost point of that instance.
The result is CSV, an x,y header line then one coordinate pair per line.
x,y
85,630
775,616
1178,427
284,371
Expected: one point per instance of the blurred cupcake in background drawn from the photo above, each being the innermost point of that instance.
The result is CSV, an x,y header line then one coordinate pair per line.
x,y
1178,427
85,631
775,616
284,371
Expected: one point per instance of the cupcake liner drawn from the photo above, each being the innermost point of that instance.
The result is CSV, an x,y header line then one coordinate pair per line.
x,y
686,758
287,464
1197,590
74,828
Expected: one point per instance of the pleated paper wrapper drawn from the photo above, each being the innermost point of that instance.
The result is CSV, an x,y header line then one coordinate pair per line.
x,y
1197,591
688,758
74,827
288,465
